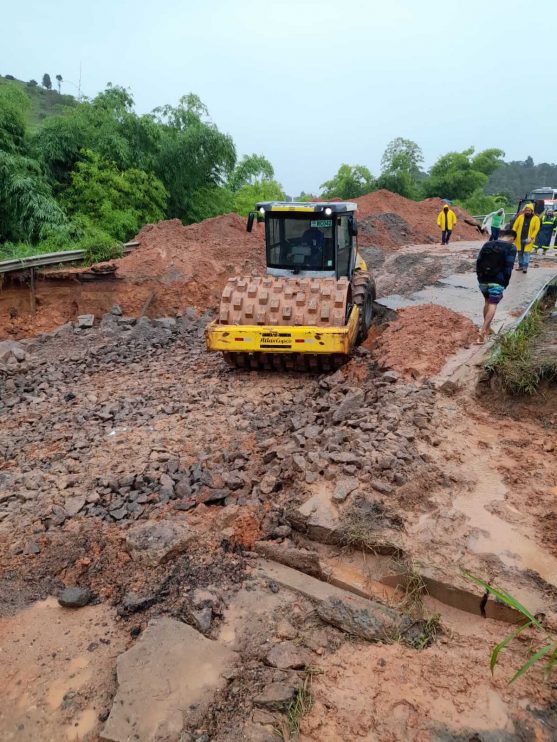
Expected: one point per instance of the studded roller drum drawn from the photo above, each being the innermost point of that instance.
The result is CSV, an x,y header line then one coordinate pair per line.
x,y
285,301
363,296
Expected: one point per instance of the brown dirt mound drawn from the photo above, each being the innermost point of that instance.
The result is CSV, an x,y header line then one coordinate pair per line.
x,y
422,338
176,267
388,220
188,266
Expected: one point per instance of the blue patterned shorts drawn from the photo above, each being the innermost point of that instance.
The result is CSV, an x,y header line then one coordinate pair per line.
x,y
493,292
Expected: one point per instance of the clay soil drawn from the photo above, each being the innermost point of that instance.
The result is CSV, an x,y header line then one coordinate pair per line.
x,y
421,339
177,266
388,220
132,424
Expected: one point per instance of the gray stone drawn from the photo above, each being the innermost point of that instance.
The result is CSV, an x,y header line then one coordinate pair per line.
x,y
10,349
168,323
116,310
390,376
288,656
360,617
202,619
85,320
72,505
74,597
166,681
276,695
156,543
182,488
352,402
267,484
233,481
344,487
384,487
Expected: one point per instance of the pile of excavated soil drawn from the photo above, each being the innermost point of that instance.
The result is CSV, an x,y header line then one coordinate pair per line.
x,y
420,341
388,220
188,266
174,267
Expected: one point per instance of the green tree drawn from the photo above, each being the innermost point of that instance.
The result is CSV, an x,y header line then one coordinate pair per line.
x,y
454,176
402,156
249,170
263,190
14,105
27,206
488,160
194,157
400,167
118,202
350,181
59,80
47,82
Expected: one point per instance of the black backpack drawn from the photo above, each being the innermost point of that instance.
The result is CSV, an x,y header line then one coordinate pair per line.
x,y
490,262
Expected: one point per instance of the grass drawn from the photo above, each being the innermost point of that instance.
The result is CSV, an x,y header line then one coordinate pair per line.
x,y
424,629
512,360
359,525
542,650
44,103
300,705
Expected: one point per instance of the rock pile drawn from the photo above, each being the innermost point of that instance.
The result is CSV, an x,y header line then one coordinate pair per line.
x,y
126,418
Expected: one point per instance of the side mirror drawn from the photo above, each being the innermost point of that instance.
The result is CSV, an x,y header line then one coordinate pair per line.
x,y
353,227
249,224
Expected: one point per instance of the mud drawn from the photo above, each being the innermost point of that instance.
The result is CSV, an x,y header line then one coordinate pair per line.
x,y
421,339
370,480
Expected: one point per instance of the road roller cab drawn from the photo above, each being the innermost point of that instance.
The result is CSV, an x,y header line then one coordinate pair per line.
x,y
315,301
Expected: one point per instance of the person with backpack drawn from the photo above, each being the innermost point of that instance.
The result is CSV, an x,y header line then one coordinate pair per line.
x,y
494,268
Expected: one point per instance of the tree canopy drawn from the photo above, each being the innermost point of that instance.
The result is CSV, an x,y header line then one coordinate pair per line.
x,y
350,181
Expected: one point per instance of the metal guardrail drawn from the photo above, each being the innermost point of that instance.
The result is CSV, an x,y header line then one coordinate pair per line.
x,y
37,261
51,258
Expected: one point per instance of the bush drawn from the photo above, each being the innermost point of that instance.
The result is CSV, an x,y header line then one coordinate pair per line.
x,y
77,235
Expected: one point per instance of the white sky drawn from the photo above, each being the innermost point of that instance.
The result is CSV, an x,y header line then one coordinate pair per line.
x,y
311,83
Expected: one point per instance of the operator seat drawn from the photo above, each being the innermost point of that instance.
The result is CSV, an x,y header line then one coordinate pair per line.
x,y
315,239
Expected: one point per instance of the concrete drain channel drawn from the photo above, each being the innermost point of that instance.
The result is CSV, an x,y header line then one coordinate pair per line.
x,y
381,574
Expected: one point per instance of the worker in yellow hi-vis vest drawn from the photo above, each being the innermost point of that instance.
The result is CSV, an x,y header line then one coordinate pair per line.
x,y
446,221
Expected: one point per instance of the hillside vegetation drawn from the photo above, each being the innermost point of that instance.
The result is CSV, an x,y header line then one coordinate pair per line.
x,y
44,103
89,173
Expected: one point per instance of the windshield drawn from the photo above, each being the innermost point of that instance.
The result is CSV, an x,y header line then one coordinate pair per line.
x,y
298,242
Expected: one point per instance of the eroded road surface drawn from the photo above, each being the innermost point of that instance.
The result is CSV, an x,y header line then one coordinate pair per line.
x,y
265,553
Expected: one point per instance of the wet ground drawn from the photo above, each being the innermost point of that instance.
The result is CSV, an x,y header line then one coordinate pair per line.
x,y
364,479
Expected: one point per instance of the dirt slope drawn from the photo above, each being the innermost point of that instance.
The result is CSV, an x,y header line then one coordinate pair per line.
x,y
388,220
177,266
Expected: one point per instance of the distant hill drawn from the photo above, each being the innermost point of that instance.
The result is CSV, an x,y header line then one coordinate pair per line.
x,y
517,177
44,103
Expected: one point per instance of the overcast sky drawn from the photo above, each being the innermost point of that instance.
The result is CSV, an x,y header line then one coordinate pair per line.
x,y
312,83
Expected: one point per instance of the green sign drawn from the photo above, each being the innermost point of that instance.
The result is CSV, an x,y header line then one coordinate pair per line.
x,y
322,223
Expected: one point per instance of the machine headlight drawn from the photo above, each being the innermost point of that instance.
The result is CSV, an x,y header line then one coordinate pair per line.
x,y
262,210
328,211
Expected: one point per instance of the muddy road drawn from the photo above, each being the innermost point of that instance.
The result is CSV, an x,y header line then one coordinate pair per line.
x,y
304,536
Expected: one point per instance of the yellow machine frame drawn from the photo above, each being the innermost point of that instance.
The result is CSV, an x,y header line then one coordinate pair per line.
x,y
284,338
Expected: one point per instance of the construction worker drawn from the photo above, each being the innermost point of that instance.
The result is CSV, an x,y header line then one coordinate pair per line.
x,y
526,226
548,225
446,221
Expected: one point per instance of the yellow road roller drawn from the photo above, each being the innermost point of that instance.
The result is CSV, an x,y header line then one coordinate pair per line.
x,y
315,302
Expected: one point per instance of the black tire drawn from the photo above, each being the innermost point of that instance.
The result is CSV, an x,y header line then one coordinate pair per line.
x,y
363,296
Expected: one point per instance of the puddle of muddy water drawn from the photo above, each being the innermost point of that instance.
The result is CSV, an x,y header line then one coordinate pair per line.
x,y
492,535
